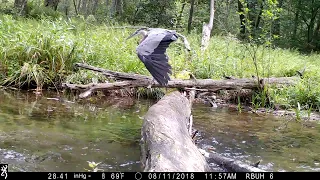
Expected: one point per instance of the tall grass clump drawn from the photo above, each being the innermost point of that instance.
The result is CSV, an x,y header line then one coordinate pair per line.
x,y
39,53
35,53
226,56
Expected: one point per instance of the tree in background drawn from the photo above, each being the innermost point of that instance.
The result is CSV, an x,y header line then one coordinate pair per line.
x,y
21,6
297,25
206,32
52,4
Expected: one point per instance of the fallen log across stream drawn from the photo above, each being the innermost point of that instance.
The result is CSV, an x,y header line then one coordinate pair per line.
x,y
166,143
135,80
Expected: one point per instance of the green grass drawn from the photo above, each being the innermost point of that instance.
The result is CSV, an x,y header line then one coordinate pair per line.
x,y
41,53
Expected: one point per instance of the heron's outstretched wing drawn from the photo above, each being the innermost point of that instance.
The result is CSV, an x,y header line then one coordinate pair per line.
x,y
157,67
152,52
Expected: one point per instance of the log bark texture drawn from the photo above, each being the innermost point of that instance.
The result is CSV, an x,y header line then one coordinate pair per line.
x,y
208,84
166,144
131,80
245,83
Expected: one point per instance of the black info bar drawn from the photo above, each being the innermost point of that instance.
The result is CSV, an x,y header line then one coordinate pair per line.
x,y
156,175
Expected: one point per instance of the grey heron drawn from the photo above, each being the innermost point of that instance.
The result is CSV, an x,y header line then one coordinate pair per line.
x,y
152,51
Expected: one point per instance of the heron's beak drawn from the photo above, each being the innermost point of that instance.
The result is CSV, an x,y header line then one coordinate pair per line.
x,y
134,34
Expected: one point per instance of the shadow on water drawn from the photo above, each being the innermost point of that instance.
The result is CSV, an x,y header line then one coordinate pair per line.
x,y
40,134
281,144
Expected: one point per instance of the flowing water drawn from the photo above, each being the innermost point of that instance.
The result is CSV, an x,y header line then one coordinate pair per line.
x,y
40,134
281,144
46,133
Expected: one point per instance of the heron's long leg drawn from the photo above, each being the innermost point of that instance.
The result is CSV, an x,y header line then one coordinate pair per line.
x,y
150,83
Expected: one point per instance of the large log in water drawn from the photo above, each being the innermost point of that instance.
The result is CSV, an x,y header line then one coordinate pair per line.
x,y
166,144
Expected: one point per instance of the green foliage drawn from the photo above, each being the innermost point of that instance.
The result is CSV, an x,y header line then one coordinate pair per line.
x,y
40,52
307,92
293,23
93,167
150,93
300,22
35,51
155,13
38,12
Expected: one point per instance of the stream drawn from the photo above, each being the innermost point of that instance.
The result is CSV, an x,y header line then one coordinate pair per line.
x,y
57,132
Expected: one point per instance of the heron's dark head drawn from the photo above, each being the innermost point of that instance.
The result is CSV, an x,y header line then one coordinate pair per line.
x,y
141,31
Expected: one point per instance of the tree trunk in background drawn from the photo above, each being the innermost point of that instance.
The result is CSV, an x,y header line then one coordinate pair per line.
x,y
312,25
257,22
179,17
316,37
276,30
79,4
84,7
206,31
113,8
255,12
242,20
75,6
296,24
116,8
119,7
89,7
190,15
21,6
251,14
310,29
94,7
107,7
227,19
52,3
66,6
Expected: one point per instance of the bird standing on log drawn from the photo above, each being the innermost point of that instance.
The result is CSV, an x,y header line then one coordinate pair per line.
x,y
152,51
